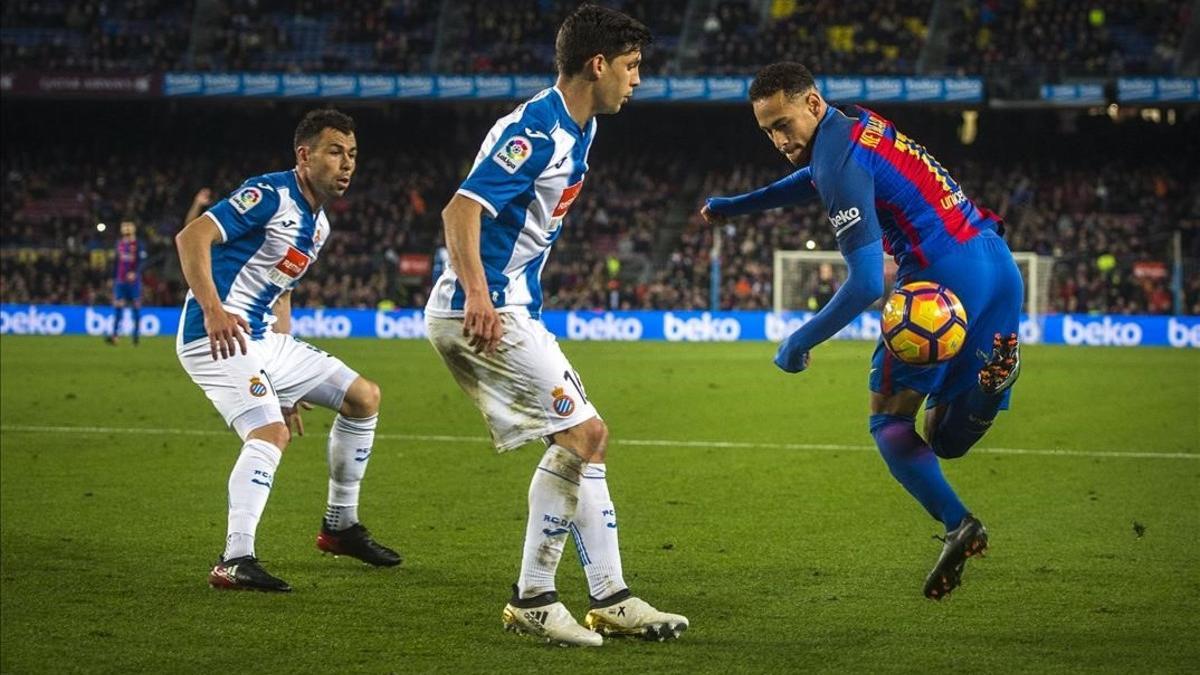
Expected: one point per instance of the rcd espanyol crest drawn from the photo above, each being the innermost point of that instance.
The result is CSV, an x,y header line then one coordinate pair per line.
x,y
563,405
257,388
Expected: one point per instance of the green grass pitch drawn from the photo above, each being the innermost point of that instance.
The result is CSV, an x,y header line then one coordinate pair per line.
x,y
751,501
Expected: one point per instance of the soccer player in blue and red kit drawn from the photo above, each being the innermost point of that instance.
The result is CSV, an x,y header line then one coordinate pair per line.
x,y
127,283
885,193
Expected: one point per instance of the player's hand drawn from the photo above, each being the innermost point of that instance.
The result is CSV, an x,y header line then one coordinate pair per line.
x,y
130,277
291,417
481,324
790,359
712,218
226,331
203,197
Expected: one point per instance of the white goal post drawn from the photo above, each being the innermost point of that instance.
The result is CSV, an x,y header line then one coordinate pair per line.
x,y
798,280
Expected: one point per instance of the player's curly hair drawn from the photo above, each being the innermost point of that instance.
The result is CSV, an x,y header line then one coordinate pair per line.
x,y
316,121
789,77
591,30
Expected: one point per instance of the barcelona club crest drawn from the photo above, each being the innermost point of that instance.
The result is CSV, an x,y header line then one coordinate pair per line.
x,y
257,388
563,405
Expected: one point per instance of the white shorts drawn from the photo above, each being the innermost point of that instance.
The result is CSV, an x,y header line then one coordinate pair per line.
x,y
526,390
276,370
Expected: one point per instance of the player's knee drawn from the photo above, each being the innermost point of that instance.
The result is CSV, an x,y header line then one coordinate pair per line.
x,y
276,434
595,438
362,399
587,440
948,448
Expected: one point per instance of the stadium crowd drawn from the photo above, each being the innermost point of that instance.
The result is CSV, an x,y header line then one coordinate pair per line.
x,y
1016,39
1057,39
634,239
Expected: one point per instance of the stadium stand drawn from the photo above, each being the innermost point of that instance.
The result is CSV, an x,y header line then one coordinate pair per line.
x,y
634,239
1106,207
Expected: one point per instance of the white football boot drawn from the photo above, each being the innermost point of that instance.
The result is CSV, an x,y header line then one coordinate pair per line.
x,y
549,621
633,617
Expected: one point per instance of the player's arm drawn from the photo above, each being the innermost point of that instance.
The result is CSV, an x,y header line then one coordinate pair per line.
x,y
513,163
249,208
283,313
792,190
194,243
851,202
461,219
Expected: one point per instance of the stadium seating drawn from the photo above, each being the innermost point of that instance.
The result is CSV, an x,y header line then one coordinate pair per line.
x,y
1045,39
634,238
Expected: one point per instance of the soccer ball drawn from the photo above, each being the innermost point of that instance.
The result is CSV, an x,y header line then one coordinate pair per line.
x,y
924,323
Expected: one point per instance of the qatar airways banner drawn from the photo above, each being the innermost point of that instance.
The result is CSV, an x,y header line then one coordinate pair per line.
x,y
691,326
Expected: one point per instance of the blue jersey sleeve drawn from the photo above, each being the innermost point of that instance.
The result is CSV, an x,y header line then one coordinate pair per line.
x,y
510,167
792,190
863,286
848,191
249,208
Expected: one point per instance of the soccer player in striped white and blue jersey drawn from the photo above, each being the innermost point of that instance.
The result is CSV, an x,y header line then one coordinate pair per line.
x,y
885,193
483,317
241,259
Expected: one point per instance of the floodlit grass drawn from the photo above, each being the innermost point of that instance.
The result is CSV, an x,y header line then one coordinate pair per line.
x,y
786,555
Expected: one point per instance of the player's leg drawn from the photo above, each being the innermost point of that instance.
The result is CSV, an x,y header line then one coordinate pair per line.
x,y
614,610
522,394
250,484
913,463
301,371
909,458
118,314
240,390
137,316
982,375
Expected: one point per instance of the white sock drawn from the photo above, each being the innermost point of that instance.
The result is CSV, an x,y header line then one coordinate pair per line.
x,y
595,533
350,442
249,487
553,496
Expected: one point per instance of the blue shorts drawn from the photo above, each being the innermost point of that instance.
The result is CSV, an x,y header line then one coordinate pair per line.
x,y
985,278
131,292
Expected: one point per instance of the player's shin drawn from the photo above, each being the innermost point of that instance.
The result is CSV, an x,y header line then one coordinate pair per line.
x,y
914,465
249,487
553,501
595,534
349,449
966,421
137,323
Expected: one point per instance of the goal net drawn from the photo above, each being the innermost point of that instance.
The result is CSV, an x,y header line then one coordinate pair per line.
x,y
805,280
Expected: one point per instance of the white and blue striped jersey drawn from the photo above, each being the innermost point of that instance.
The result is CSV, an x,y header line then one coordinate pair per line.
x,y
527,174
269,238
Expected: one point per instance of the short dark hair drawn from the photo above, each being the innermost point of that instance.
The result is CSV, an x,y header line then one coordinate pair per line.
x,y
789,77
316,121
591,30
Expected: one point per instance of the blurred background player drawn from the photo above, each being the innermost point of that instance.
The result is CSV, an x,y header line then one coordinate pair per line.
x,y
884,192
127,281
241,259
483,317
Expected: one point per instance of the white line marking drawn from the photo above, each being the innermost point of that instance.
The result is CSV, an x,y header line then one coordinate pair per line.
x,y
1049,452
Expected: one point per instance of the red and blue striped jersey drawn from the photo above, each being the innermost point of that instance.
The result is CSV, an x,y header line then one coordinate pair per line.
x,y
878,183
129,259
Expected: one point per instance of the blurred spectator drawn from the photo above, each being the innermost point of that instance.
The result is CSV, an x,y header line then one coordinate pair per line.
x,y
1105,209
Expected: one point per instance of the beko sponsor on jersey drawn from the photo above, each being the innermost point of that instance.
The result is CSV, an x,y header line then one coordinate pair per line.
x,y
845,219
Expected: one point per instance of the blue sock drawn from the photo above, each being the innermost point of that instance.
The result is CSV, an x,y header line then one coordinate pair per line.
x,y
916,467
137,323
118,314
966,421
